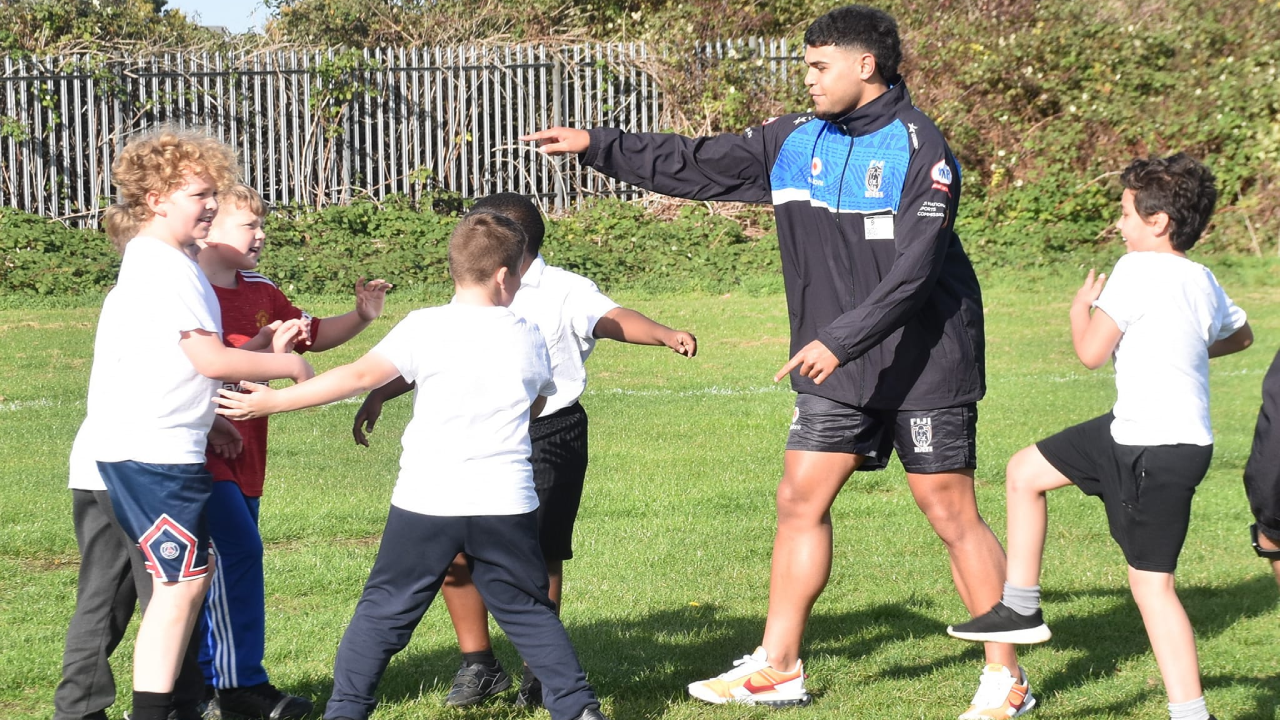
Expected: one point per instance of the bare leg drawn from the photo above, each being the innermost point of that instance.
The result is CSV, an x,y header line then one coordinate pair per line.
x,y
801,547
1028,478
466,608
555,573
977,560
1169,630
164,633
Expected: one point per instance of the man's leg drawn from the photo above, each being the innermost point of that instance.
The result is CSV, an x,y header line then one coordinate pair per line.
x,y
977,561
105,598
801,547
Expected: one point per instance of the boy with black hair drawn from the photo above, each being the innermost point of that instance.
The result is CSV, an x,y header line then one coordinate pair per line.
x,y
1161,316
465,483
1262,472
572,313
887,346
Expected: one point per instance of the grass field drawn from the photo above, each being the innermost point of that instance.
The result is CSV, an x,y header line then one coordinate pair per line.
x,y
673,544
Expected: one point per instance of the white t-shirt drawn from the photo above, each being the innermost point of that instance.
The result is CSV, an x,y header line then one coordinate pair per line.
x,y
146,401
1170,310
466,449
565,306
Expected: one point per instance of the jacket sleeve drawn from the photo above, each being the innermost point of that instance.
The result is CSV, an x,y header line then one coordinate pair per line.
x,y
922,231
719,167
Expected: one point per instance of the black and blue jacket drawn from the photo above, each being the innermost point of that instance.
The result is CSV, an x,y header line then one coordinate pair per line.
x,y
865,208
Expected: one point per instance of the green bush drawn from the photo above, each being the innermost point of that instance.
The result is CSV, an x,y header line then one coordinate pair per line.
x,y
617,244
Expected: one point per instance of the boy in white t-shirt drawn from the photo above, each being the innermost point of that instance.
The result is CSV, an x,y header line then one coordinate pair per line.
x,y
465,483
572,314
157,361
1162,317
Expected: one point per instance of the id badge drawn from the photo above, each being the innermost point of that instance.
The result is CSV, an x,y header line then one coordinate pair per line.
x,y
877,227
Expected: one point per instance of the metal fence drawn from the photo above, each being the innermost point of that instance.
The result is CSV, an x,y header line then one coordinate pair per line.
x,y
321,127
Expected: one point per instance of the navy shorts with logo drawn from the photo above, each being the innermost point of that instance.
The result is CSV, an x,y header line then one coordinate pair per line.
x,y
161,507
1146,489
927,441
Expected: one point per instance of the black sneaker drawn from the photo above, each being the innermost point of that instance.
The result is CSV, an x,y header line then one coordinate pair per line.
x,y
1001,624
592,713
475,682
530,693
260,702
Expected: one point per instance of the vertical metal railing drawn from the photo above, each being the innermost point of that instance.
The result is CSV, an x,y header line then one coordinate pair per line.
x,y
319,127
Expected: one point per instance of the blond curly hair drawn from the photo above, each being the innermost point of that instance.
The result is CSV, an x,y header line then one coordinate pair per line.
x,y
243,197
158,162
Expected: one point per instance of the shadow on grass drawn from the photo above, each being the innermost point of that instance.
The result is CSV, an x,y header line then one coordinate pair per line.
x,y
1107,640
642,665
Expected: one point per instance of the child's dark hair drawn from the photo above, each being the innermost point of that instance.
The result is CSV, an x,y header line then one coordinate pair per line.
x,y
522,210
864,28
482,242
1179,186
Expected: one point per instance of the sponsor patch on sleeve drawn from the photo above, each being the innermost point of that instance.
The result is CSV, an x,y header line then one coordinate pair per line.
x,y
941,176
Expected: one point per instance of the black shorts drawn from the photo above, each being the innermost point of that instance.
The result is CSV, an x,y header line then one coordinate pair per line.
x,y
1146,489
1262,471
927,441
559,469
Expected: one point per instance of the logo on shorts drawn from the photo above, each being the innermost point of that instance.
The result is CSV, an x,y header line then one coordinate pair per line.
x,y
795,419
169,550
922,434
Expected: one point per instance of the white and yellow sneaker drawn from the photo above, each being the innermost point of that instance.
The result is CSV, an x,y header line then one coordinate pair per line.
x,y
752,681
1000,695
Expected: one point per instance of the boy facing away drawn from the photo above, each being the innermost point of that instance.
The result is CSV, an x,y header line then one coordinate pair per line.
x,y
465,483
158,359
572,313
234,632
1161,316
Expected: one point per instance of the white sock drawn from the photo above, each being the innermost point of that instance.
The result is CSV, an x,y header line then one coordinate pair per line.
x,y
1189,710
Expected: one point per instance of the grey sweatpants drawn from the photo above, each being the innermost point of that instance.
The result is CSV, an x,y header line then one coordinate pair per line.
x,y
112,580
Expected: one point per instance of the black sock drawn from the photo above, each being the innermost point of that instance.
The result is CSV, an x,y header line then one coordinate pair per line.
x,y
484,657
151,706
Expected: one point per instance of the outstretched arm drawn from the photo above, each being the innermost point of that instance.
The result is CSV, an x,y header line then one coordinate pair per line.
x,y
718,167
342,382
334,331
626,325
369,412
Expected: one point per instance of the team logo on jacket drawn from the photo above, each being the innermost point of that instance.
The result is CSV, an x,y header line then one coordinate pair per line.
x,y
922,434
815,168
875,176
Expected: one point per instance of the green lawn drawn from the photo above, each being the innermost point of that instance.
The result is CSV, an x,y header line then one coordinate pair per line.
x,y
673,544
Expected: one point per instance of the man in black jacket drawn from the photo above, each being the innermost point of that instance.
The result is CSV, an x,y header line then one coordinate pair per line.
x,y
886,324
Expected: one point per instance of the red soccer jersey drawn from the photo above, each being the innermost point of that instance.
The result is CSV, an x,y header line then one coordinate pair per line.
x,y
254,303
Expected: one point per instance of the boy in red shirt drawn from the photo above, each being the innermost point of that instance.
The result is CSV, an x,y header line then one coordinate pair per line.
x,y
233,636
